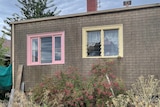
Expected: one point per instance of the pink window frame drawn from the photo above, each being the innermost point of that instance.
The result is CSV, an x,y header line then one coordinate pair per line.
x,y
38,36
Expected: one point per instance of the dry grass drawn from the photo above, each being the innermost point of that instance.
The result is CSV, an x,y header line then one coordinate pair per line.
x,y
3,103
145,92
20,100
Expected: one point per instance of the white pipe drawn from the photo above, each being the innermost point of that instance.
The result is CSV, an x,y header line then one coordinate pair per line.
x,y
12,39
110,84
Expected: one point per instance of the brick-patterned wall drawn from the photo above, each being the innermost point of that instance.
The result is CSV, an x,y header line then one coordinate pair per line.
x,y
141,38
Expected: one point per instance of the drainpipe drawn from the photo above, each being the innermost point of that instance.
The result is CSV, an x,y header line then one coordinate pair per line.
x,y
12,54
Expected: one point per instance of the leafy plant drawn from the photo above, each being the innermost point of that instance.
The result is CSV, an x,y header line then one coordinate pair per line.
x,y
31,9
71,88
3,50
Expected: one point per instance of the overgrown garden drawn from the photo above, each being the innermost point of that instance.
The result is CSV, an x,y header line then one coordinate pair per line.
x,y
97,88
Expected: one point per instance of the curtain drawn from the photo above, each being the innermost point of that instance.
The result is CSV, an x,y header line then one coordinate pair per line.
x,y
93,43
34,50
111,42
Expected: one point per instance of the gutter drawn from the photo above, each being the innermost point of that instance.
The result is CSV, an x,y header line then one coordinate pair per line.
x,y
12,53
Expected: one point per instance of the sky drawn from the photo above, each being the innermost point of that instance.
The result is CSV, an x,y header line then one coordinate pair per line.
x,y
8,7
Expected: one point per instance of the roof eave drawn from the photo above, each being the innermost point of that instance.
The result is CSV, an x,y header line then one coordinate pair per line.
x,y
88,13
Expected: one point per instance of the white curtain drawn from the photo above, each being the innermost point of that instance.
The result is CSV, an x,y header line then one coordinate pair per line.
x,y
93,43
111,42
34,50
93,37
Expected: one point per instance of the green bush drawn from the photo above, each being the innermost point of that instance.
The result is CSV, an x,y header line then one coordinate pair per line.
x,y
3,50
71,88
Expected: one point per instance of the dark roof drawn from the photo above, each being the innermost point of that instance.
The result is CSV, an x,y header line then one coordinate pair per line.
x,y
90,13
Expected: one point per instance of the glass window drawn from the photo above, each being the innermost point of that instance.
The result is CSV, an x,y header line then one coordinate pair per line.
x,y
34,50
111,42
57,48
45,48
102,41
93,43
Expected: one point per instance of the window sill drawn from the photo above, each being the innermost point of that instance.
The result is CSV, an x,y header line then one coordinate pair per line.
x,y
104,57
58,63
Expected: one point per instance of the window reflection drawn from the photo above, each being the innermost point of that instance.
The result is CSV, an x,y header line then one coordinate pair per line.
x,y
57,48
34,50
111,42
46,50
93,43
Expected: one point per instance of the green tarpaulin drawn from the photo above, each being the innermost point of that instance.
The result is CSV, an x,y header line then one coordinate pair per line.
x,y
5,77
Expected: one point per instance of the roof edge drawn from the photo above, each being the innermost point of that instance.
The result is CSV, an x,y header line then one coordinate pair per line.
x,y
88,13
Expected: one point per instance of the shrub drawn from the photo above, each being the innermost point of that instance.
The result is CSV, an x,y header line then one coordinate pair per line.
x,y
71,88
3,50
3,103
121,100
145,92
21,100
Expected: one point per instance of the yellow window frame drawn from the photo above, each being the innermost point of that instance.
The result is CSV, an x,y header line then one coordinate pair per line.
x,y
102,28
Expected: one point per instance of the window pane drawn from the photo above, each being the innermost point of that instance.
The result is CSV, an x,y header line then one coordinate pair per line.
x,y
93,43
57,48
111,42
46,50
34,50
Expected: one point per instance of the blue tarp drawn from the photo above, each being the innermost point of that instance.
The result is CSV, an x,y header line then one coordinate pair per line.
x,y
5,77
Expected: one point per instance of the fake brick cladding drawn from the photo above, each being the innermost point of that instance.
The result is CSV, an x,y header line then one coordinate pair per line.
x,y
141,38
